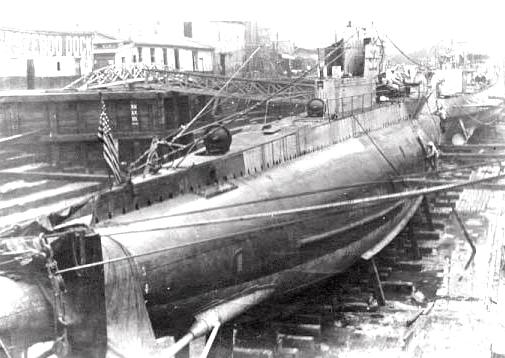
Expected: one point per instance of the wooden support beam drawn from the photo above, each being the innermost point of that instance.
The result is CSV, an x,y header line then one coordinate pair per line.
x,y
427,213
472,156
81,124
83,155
470,147
53,175
467,237
92,137
177,114
481,185
183,353
223,345
18,137
160,121
379,292
55,159
415,253
53,118
191,107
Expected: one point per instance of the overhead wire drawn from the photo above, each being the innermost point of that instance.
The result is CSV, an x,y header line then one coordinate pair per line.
x,y
398,48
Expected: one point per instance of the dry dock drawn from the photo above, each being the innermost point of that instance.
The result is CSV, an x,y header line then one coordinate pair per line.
x,y
440,299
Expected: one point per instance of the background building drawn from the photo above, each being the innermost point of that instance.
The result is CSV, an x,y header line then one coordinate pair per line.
x,y
43,59
228,39
174,53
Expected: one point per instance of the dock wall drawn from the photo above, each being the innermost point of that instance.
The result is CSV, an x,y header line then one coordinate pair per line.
x,y
20,82
67,123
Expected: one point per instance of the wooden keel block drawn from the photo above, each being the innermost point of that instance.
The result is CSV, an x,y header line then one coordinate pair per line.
x,y
410,266
427,235
398,286
242,352
443,204
353,307
383,276
288,353
290,328
426,250
304,343
449,195
423,226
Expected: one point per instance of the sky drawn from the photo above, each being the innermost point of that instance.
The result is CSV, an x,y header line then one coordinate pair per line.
x,y
410,24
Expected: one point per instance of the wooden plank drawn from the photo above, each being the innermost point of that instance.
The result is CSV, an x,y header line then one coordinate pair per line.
x,y
18,137
160,122
379,292
53,119
92,137
8,97
472,146
473,155
53,175
177,115
81,125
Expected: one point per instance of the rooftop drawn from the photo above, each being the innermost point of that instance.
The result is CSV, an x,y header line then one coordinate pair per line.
x,y
46,32
159,41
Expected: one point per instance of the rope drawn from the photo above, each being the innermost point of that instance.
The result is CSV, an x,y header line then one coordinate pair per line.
x,y
404,54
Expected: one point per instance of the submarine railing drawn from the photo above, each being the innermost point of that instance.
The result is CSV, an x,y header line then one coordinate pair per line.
x,y
336,108
341,107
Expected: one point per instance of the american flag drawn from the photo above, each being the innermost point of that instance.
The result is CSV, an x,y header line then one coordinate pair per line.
x,y
110,148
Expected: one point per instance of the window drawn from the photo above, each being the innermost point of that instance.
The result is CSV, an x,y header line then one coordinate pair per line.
x,y
123,59
58,66
153,58
139,50
165,57
134,58
188,29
